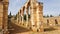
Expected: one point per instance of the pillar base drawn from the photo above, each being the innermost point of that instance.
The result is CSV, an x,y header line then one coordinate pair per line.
x,y
35,29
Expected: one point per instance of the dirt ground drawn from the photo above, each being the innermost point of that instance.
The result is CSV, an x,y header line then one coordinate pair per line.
x,y
15,29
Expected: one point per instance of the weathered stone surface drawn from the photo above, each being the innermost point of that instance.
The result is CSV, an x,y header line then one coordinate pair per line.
x,y
52,20
6,0
1,7
36,13
1,20
3,14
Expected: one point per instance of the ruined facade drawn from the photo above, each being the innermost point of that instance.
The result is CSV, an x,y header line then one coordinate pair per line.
x,y
52,21
36,14
3,15
36,22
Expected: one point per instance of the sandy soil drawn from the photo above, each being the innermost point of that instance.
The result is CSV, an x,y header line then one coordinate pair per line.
x,y
15,29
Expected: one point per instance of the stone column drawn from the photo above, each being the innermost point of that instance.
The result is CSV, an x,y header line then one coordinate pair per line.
x,y
33,14
5,16
1,14
26,8
22,15
40,16
27,16
38,20
17,18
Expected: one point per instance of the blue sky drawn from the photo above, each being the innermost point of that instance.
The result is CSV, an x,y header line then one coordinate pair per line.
x,y
49,6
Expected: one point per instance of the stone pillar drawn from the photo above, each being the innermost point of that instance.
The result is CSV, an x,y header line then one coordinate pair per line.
x,y
22,15
38,20
1,14
5,16
17,17
36,15
26,17
26,8
40,16
33,14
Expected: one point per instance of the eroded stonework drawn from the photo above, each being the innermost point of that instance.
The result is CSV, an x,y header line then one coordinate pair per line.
x,y
4,15
36,21
36,14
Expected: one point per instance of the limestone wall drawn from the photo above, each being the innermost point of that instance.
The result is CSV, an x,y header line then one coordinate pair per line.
x,y
4,15
52,20
1,14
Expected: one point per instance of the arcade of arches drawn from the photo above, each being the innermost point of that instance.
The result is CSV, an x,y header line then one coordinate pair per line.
x,y
36,20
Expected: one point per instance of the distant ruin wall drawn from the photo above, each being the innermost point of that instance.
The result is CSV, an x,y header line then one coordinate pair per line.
x,y
52,20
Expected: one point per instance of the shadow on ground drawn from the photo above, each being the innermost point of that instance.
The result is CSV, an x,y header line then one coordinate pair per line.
x,y
49,29
17,29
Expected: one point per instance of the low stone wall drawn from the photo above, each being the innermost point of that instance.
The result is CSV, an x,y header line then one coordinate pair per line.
x,y
52,20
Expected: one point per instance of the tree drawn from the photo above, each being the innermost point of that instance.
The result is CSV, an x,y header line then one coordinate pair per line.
x,y
15,16
44,16
24,17
10,15
59,14
47,15
51,16
29,16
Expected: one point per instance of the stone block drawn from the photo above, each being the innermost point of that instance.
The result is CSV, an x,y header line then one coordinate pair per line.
x,y
1,8
0,27
6,0
34,29
1,14
41,28
1,21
